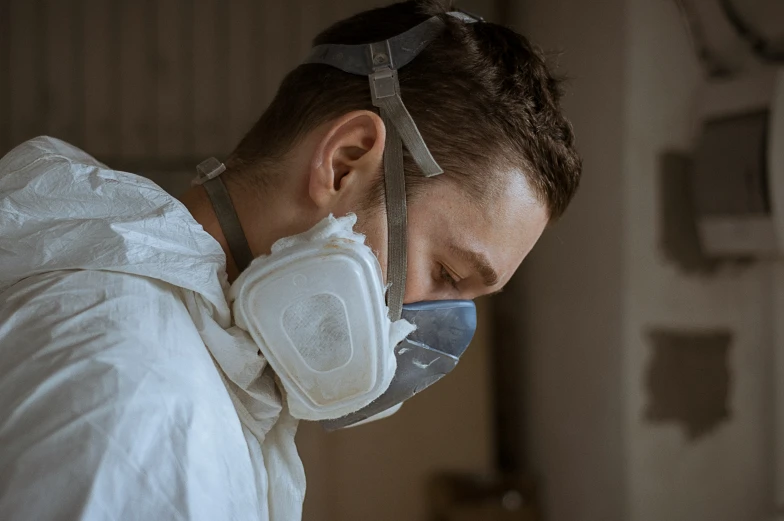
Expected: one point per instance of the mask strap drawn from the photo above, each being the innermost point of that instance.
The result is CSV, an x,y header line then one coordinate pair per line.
x,y
208,175
379,61
397,216
385,94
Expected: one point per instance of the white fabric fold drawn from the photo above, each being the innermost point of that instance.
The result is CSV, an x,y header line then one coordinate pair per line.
x,y
69,226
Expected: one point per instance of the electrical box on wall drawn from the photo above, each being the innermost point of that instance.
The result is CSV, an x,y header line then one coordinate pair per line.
x,y
739,167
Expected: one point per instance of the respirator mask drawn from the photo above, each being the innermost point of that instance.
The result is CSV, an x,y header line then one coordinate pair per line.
x,y
317,306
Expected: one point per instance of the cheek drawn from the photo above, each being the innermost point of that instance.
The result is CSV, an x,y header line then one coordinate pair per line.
x,y
420,278
419,287
374,227
420,282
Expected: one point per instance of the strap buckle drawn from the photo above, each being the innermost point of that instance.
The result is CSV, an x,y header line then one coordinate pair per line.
x,y
383,84
383,79
208,169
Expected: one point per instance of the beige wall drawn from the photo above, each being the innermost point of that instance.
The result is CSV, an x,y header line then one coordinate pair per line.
x,y
600,281
727,474
574,278
170,80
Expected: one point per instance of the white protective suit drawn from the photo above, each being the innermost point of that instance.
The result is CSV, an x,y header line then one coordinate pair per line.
x,y
111,406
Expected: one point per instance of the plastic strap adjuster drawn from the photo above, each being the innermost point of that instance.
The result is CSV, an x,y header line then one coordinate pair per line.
x,y
208,169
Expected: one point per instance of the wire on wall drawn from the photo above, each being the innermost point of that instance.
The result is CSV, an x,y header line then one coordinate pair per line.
x,y
761,46
714,67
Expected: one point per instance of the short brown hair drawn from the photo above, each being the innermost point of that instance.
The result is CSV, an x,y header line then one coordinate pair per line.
x,y
480,93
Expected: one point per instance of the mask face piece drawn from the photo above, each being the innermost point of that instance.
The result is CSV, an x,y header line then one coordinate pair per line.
x,y
315,307
444,330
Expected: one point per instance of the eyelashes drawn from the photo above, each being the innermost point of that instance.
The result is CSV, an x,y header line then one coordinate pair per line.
x,y
447,277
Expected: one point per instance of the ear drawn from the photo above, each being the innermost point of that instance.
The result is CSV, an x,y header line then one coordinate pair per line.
x,y
347,159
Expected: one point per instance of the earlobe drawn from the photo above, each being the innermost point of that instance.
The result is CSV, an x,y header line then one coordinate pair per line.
x,y
347,158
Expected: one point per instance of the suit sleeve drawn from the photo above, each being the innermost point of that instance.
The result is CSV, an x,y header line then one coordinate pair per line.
x,y
110,406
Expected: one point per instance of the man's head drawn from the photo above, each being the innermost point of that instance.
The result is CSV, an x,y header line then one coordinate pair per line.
x,y
486,107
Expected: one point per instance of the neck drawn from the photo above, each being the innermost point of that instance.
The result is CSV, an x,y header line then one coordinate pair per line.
x,y
264,219
198,204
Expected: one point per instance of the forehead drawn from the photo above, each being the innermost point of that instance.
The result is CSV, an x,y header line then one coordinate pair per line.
x,y
503,228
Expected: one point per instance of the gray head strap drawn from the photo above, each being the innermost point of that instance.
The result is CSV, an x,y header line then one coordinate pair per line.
x,y
379,61
208,175
397,217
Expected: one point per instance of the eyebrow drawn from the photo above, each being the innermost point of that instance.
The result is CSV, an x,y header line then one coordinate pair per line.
x,y
479,264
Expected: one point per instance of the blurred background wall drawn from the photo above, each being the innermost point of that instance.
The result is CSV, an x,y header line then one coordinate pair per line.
x,y
600,283
153,87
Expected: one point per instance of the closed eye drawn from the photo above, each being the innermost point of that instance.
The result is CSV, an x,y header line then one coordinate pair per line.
x,y
447,277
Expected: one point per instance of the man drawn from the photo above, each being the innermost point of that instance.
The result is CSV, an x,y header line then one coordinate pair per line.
x,y
140,377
